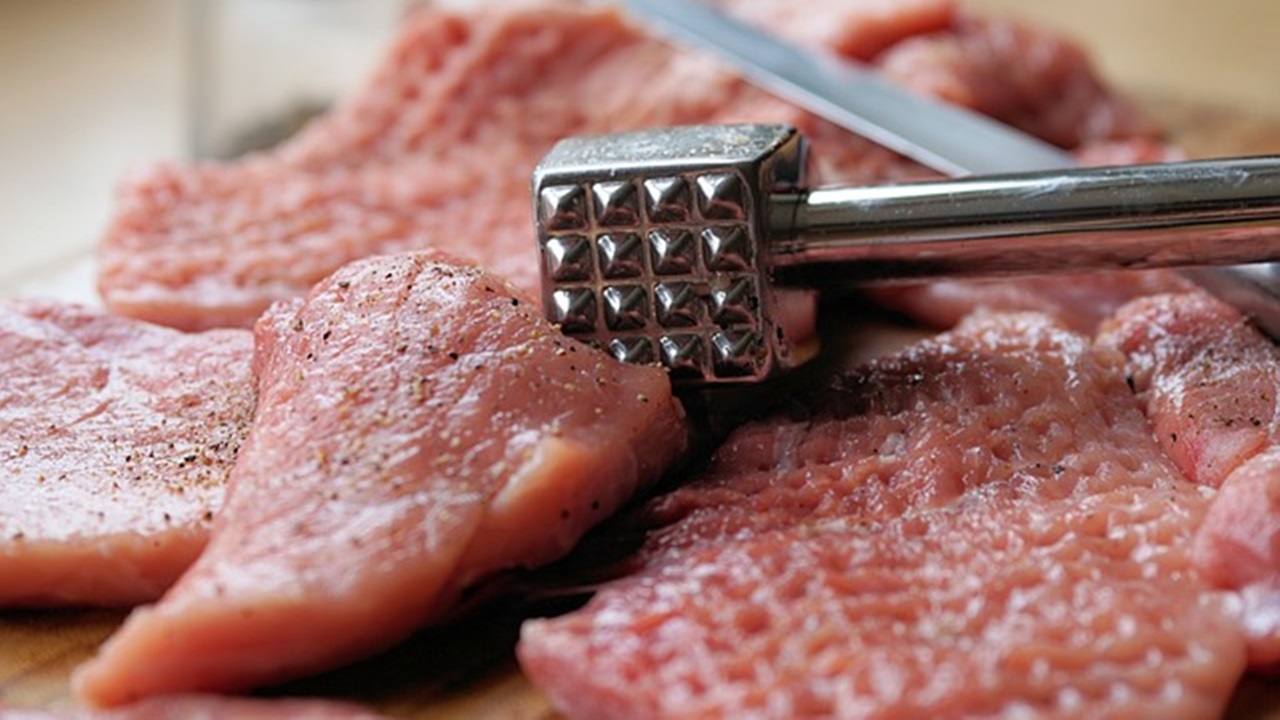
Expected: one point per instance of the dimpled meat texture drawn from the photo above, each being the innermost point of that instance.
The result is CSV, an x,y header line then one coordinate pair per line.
x,y
118,438
1209,381
436,150
420,428
979,526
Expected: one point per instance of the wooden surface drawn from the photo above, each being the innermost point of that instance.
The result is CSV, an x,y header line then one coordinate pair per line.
x,y
468,670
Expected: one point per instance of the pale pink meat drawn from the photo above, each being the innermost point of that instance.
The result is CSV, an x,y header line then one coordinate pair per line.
x,y
437,149
1207,377
1209,380
859,29
420,427
1047,86
118,439
981,525
1080,301
1238,547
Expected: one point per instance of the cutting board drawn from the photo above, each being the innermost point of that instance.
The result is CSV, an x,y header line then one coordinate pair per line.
x,y
468,670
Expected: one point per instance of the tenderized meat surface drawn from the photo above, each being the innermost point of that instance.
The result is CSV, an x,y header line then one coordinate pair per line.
x,y
1209,380
118,437
420,427
981,525
437,149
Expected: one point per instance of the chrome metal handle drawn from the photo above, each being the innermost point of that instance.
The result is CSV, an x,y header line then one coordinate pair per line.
x,y
1214,212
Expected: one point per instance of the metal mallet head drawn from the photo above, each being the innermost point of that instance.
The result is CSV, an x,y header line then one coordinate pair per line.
x,y
685,246
654,246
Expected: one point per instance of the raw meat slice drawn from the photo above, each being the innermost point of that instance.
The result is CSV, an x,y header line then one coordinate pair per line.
x,y
1207,377
118,439
420,427
1047,86
208,707
981,525
1238,547
1081,302
1209,381
437,149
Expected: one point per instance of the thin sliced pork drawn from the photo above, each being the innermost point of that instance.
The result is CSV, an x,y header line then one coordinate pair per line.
x,y
437,149
1209,380
1046,85
118,440
981,525
420,427
1080,301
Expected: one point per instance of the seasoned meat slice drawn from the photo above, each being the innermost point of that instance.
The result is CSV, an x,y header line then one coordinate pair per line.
x,y
420,427
117,440
1209,380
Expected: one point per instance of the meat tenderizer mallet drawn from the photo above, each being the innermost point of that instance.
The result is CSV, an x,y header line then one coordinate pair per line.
x,y
678,245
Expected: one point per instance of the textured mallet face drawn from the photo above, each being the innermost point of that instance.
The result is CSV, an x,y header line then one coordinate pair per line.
x,y
654,245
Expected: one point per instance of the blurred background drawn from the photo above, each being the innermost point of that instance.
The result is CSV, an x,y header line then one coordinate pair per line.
x,y
91,88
